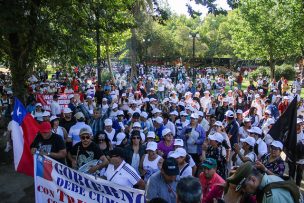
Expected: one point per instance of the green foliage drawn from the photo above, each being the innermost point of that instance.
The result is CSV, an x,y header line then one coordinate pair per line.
x,y
105,76
285,70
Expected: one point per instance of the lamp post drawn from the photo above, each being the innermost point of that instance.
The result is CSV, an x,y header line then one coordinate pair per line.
x,y
193,35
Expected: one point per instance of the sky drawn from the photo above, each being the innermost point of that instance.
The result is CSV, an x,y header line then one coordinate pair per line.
x,y
179,6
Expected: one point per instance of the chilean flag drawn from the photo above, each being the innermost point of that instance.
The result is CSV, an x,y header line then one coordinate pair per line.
x,y
24,130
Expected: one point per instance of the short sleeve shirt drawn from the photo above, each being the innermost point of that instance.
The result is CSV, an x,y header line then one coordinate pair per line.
x,y
85,155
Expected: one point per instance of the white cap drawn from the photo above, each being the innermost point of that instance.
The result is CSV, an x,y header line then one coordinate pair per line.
x,y
151,146
278,144
249,140
53,118
159,120
179,152
46,113
216,137
151,134
299,120
257,96
119,137
247,119
229,113
156,110
174,113
89,97
200,113
165,100
218,123
225,100
230,91
67,110
38,104
183,113
120,112
166,131
136,125
194,115
70,96
114,106
239,111
255,130
123,94
108,122
268,112
286,97
144,114
181,103
178,142
104,99
152,99
146,99
206,92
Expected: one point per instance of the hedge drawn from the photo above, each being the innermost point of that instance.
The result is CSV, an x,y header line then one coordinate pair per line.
x,y
285,70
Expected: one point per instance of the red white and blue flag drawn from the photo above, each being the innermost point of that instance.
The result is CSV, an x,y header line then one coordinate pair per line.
x,y
24,130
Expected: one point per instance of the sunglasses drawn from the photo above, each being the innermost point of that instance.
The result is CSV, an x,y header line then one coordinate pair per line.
x,y
135,137
85,137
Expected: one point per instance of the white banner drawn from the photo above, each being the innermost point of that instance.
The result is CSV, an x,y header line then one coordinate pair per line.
x,y
55,182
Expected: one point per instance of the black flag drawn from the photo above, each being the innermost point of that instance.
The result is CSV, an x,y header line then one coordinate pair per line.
x,y
285,131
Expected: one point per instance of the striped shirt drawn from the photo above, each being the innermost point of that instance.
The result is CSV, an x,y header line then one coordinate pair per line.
x,y
124,175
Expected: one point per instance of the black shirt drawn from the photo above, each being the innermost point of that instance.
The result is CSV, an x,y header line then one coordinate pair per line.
x,y
67,124
86,154
54,144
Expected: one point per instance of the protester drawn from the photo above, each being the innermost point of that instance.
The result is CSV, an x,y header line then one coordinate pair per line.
x,y
188,190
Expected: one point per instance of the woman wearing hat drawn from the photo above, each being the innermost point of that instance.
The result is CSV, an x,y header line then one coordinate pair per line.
x,y
167,144
38,112
150,162
58,129
135,150
272,163
246,153
182,159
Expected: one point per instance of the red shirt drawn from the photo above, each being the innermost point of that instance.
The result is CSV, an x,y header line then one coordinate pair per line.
x,y
211,188
282,107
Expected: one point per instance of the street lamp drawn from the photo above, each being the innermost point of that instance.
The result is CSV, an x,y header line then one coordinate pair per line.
x,y
193,35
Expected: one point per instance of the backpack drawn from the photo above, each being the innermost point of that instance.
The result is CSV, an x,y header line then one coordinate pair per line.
x,y
289,185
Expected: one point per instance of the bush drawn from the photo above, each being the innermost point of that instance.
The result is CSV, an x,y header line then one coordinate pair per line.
x,y
105,75
285,70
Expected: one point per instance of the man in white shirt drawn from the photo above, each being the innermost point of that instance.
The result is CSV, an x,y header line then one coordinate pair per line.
x,y
206,101
55,107
120,172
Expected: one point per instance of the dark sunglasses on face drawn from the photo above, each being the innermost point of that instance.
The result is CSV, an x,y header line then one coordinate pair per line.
x,y
85,137
135,137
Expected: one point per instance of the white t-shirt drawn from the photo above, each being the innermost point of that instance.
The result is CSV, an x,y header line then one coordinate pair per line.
x,y
250,155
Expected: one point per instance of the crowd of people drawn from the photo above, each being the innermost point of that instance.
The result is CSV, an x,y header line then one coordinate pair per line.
x,y
181,139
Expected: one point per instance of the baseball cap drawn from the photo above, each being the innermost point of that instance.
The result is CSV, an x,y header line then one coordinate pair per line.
x,y
194,115
151,134
239,111
46,113
146,100
117,151
286,97
299,120
247,119
277,144
144,114
114,106
166,131
45,127
229,114
200,113
170,167
108,122
174,113
256,96
249,140
53,118
206,92
179,152
67,110
120,113
216,137
255,130
209,163
241,174
218,123
158,120
151,146
136,125
183,113
268,112
270,121
79,115
38,104
156,110
120,137
84,131
178,142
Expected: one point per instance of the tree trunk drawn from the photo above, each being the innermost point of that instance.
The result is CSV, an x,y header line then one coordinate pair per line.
x,y
109,60
272,68
133,55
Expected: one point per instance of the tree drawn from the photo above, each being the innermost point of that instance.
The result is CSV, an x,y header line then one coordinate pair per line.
x,y
262,29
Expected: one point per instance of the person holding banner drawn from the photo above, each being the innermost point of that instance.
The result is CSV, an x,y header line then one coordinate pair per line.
x,y
85,151
49,143
120,172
